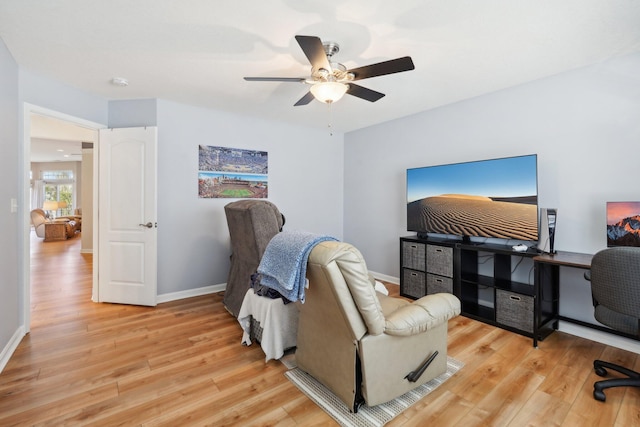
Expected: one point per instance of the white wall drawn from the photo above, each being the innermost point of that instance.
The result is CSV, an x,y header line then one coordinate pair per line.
x,y
305,182
584,125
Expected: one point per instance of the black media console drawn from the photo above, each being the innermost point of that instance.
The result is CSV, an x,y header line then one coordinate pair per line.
x,y
494,283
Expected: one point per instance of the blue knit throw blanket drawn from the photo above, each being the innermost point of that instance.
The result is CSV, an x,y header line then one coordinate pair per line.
x,y
284,263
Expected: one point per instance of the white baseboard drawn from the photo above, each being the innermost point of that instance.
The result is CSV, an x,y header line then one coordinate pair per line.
x,y
86,251
11,346
173,296
599,336
189,293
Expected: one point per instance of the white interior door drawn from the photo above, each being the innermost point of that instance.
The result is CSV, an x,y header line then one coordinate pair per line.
x,y
127,231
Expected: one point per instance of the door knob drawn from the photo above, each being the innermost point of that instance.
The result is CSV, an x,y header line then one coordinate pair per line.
x,y
148,225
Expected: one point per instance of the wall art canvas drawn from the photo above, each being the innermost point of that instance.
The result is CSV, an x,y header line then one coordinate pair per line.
x,y
225,172
623,224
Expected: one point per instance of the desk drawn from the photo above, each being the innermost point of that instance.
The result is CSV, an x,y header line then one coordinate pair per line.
x,y
547,277
568,259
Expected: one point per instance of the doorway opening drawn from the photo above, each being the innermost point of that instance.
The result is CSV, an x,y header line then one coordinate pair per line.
x,y
48,130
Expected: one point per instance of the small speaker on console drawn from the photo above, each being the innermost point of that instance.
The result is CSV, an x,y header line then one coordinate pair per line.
x,y
547,230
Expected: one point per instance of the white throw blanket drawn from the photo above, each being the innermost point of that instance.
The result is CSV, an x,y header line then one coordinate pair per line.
x,y
279,323
284,263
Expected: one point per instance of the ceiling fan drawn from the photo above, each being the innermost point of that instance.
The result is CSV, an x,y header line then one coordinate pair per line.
x,y
331,80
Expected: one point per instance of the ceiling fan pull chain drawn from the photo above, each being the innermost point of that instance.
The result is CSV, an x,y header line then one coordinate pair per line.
x,y
330,118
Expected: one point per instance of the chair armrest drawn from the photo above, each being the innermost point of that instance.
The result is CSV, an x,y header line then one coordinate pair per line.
x,y
422,315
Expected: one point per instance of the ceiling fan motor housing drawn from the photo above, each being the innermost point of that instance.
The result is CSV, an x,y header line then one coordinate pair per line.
x,y
331,48
338,73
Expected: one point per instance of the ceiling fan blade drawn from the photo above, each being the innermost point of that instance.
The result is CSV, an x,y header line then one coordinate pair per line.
x,y
304,100
382,68
275,79
314,50
364,93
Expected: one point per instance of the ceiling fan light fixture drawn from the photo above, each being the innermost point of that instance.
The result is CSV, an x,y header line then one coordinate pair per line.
x,y
329,92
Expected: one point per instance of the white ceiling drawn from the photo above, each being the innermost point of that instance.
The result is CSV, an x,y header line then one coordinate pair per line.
x,y
197,51
54,140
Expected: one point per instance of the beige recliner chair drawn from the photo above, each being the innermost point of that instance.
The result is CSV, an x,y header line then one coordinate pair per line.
x,y
38,219
362,345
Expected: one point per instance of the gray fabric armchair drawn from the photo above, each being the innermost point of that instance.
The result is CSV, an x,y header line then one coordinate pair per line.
x,y
615,286
252,224
362,345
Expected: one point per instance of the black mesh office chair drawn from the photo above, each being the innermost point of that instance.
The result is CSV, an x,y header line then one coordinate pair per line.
x,y
615,286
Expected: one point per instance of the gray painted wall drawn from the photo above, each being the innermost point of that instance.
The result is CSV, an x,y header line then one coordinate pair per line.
x,y
48,93
10,297
305,169
584,126
133,113
306,175
305,182
41,91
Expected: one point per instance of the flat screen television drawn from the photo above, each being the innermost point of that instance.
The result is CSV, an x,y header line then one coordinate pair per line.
x,y
623,224
496,198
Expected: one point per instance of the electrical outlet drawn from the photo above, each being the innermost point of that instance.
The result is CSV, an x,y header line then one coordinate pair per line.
x,y
14,205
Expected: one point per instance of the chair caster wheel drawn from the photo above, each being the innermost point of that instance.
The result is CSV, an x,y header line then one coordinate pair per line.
x,y
599,395
600,371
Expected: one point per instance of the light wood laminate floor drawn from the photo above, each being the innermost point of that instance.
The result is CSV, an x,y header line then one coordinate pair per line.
x,y
181,364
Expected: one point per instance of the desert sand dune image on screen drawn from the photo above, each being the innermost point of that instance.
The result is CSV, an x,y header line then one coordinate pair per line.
x,y
475,216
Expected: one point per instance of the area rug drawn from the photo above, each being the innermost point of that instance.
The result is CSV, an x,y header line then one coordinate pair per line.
x,y
367,416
